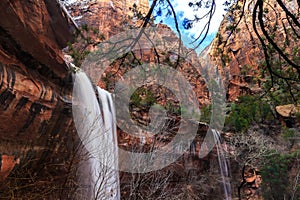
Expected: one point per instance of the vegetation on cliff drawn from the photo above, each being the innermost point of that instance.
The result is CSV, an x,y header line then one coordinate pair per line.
x,y
256,52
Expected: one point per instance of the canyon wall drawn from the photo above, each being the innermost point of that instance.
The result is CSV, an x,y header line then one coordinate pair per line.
x,y
36,128
237,50
33,72
35,92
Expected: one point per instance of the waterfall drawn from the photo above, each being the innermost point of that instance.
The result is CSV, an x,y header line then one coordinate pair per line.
x,y
95,122
223,165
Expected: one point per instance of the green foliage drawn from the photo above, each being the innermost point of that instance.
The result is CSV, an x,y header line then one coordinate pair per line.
x,y
206,113
137,14
226,58
85,27
173,109
247,110
282,79
290,133
230,27
84,37
77,55
282,92
275,176
246,69
142,97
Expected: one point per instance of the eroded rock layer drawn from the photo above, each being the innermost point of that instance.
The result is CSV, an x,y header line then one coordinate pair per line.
x,y
36,126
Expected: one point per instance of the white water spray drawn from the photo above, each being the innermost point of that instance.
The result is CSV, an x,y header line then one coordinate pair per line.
x,y
223,165
96,125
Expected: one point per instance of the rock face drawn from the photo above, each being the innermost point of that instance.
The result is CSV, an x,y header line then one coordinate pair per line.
x,y
36,126
36,129
101,18
34,77
239,54
39,35
181,178
108,17
241,58
35,86
7,164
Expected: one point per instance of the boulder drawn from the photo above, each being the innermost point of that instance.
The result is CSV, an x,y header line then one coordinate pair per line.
x,y
288,110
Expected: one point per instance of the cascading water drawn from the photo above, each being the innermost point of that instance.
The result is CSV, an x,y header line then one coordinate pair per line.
x,y
96,125
214,78
222,164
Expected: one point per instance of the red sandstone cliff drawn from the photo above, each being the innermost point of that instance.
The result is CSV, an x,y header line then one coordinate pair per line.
x,y
239,54
34,89
35,115
33,72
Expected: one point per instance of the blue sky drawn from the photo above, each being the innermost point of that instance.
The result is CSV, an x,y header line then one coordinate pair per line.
x,y
183,10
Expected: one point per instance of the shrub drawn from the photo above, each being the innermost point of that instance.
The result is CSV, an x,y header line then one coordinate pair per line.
x,y
275,176
249,109
206,113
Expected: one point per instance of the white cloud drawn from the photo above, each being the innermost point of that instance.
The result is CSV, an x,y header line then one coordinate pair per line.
x,y
181,6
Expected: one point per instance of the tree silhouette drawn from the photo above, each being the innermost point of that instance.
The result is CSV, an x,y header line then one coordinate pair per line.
x,y
270,19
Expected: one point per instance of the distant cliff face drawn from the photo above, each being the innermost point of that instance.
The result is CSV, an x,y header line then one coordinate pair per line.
x,y
109,17
142,5
241,50
241,55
